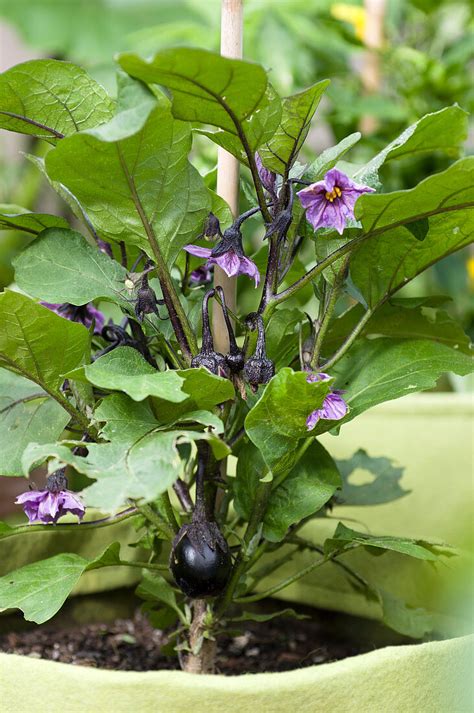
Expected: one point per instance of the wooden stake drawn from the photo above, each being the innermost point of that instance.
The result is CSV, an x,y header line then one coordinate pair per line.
x,y
227,169
373,40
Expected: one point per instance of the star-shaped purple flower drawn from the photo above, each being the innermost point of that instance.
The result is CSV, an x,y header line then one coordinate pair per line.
x,y
48,505
334,407
84,314
230,261
330,203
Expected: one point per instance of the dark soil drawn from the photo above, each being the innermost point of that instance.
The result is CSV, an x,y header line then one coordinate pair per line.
x,y
132,644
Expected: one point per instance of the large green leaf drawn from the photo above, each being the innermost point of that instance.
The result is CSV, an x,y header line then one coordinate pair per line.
x,y
257,128
440,206
407,318
25,349
14,217
305,490
125,419
27,414
280,152
140,467
380,370
136,187
443,130
344,538
53,268
277,422
185,390
51,99
206,87
40,589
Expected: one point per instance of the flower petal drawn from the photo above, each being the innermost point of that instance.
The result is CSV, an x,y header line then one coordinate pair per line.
x,y
198,250
334,407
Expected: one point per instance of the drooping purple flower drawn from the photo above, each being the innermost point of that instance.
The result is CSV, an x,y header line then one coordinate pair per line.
x,y
330,203
268,178
84,314
334,407
48,505
104,247
228,254
202,275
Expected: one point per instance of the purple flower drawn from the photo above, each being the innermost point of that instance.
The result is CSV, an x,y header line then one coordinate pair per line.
x,y
330,203
229,254
48,505
83,314
202,275
334,407
268,178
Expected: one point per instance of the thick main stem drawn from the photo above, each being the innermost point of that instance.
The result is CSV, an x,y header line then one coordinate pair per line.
x,y
227,170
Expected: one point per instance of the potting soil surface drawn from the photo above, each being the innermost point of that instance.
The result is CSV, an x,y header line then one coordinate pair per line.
x,y
132,644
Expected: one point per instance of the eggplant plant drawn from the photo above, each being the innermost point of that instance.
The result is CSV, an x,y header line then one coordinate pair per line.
x,y
109,364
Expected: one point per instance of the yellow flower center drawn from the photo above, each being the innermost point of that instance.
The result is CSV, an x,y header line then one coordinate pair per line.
x,y
335,193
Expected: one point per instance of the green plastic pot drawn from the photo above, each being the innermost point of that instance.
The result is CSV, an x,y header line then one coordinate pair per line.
x,y
428,678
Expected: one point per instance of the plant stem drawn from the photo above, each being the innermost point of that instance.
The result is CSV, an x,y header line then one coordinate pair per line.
x,y
349,341
259,506
65,526
286,582
146,565
203,650
328,313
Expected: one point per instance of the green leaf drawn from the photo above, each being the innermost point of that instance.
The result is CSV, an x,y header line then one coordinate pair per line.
x,y
281,336
444,130
254,616
40,589
305,490
26,414
329,157
344,538
153,587
175,393
126,419
277,422
53,268
206,87
381,480
124,369
380,370
141,467
24,349
14,217
51,99
400,616
139,188
257,128
280,152
404,318
393,256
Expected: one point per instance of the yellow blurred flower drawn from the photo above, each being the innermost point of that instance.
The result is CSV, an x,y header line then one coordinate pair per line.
x,y
470,271
353,14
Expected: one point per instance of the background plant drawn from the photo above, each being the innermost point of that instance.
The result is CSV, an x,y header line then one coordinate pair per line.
x,y
146,410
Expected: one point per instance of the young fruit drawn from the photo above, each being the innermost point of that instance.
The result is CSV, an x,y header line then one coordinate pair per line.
x,y
200,570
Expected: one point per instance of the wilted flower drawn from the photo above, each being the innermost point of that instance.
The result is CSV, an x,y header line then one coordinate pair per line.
x,y
48,505
334,407
84,314
229,255
268,178
330,203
